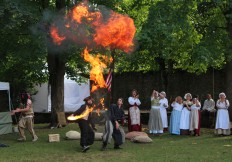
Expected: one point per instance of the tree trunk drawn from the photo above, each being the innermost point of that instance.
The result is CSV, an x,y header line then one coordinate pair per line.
x,y
56,67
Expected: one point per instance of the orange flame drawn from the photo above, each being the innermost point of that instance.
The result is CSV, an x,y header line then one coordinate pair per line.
x,y
91,27
81,12
96,72
57,39
102,103
71,117
118,32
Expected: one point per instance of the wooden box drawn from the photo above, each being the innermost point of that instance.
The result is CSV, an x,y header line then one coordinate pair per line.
x,y
54,137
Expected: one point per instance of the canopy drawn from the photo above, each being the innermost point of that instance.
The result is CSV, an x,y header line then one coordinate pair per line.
x,y
74,93
5,117
4,86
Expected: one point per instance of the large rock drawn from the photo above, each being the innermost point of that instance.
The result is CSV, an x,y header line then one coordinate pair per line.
x,y
73,135
141,139
133,134
76,135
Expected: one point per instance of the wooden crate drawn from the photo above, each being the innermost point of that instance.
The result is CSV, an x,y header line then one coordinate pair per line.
x,y
54,137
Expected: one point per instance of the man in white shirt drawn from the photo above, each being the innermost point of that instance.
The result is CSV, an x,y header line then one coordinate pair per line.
x,y
209,111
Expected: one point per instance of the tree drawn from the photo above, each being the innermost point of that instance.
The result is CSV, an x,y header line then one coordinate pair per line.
x,y
20,65
178,35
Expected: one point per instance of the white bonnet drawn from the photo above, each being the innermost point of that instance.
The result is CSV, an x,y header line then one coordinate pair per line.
x,y
163,93
222,94
187,94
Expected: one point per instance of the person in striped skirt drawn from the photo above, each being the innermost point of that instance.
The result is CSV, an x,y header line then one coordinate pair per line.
x,y
114,119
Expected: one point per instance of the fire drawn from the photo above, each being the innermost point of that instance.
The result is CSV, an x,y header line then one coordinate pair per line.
x,y
102,103
91,26
117,33
81,12
96,72
80,116
85,25
57,39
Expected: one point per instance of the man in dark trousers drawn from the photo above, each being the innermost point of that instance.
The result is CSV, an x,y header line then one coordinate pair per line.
x,y
114,118
85,119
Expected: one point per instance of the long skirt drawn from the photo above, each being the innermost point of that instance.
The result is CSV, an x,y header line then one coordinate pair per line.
x,y
184,122
174,127
163,113
222,122
195,121
133,127
155,122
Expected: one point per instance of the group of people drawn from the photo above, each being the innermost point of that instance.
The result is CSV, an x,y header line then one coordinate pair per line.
x,y
185,117
186,114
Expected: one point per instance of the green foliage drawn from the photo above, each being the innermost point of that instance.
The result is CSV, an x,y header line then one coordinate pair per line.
x,y
187,35
22,55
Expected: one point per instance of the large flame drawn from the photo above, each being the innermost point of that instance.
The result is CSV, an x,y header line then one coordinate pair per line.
x,y
90,26
81,12
97,67
117,33
71,118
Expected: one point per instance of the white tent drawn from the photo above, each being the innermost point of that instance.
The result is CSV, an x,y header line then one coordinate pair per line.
x,y
6,86
74,94
5,117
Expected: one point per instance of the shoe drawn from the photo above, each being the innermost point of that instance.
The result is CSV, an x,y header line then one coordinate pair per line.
x,y
85,148
103,148
35,139
117,147
21,139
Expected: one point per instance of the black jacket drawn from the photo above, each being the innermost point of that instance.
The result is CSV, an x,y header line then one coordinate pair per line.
x,y
90,117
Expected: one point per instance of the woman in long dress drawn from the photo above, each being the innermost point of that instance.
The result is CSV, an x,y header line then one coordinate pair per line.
x,y
155,122
177,105
134,123
163,112
195,117
185,114
222,121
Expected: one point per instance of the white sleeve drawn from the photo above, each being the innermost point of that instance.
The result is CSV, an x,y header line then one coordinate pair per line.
x,y
213,105
131,101
173,104
138,102
218,105
166,102
198,107
204,106
227,103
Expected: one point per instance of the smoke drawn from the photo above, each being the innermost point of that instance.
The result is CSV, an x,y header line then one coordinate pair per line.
x,y
86,25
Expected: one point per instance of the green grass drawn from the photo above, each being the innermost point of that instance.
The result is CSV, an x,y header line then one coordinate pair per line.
x,y
167,148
